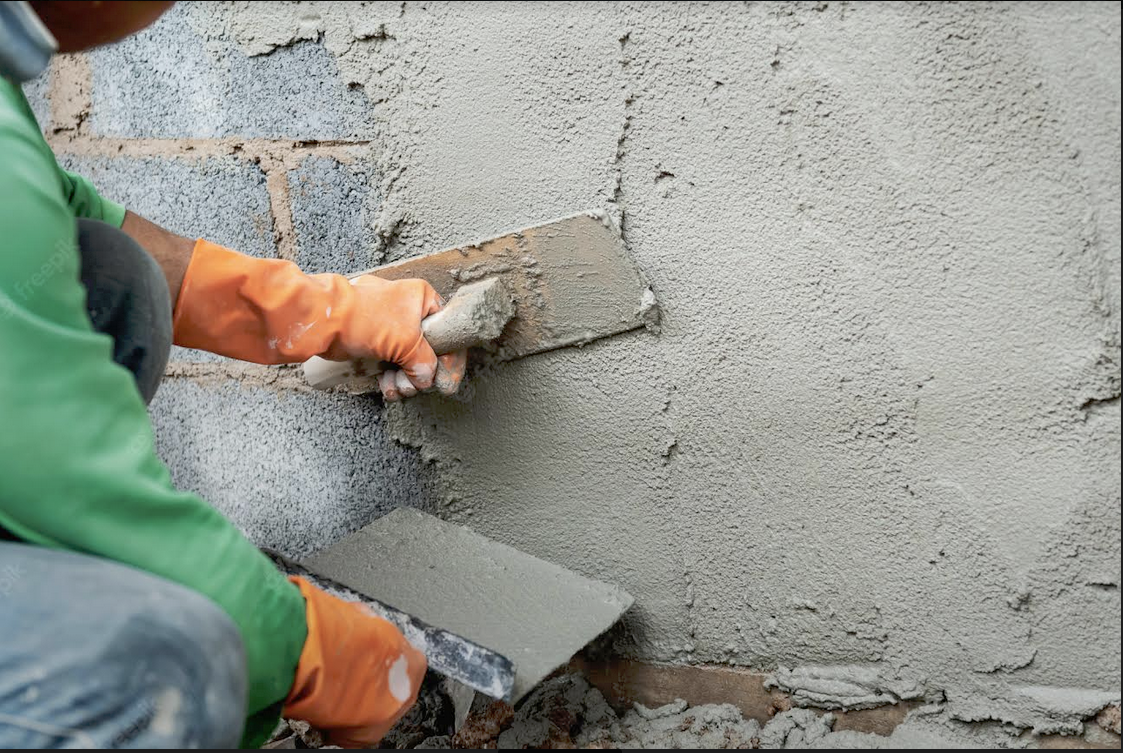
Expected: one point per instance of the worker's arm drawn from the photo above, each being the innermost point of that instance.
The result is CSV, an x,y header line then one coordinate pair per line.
x,y
78,469
172,252
268,311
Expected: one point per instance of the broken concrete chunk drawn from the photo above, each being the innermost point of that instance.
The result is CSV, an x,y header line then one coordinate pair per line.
x,y
676,707
798,728
845,686
1109,718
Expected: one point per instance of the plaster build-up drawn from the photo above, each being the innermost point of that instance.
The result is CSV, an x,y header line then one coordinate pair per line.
x,y
875,445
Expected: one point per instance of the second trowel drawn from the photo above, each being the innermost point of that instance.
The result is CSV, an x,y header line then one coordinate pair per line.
x,y
486,615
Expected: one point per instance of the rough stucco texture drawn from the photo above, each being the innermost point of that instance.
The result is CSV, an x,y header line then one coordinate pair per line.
x,y
879,430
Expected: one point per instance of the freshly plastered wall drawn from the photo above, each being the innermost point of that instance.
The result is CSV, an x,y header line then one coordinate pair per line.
x,y
875,443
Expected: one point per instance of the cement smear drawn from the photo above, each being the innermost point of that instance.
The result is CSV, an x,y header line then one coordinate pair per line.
x,y
845,687
880,427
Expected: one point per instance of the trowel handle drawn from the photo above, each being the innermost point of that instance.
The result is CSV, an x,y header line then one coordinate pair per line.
x,y
475,315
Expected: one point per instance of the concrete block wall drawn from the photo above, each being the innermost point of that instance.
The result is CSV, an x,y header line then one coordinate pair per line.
x,y
874,447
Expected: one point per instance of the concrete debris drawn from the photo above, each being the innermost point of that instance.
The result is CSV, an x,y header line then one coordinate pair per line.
x,y
1109,719
431,718
298,735
439,742
561,713
487,720
677,725
798,728
567,712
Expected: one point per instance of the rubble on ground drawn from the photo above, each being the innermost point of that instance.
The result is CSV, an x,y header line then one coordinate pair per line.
x,y
567,712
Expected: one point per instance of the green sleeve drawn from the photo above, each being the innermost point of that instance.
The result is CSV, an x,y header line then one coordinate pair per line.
x,y
80,195
78,467
84,200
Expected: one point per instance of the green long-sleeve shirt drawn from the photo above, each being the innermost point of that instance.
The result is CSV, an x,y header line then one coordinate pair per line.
x,y
78,468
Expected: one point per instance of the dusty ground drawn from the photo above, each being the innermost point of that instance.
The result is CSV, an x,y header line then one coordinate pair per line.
x,y
566,712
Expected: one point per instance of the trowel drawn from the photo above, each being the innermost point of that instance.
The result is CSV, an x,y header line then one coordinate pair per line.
x,y
493,619
564,282
486,615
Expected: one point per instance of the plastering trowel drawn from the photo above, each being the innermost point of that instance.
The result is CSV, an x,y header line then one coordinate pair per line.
x,y
564,282
486,615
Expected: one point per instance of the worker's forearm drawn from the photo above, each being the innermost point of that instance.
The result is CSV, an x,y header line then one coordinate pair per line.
x,y
172,252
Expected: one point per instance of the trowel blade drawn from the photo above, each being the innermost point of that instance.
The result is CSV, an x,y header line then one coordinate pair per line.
x,y
572,280
469,590
449,654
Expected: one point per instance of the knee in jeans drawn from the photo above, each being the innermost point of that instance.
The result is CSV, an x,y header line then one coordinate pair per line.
x,y
186,663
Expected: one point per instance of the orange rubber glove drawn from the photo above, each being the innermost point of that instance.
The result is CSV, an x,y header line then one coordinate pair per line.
x,y
268,311
357,674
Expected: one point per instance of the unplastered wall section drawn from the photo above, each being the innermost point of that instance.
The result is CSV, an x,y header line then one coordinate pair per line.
x,y
875,446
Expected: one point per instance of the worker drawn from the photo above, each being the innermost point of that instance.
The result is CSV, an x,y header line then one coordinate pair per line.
x,y
132,614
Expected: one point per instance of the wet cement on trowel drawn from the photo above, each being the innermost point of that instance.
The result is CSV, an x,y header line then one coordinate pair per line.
x,y
567,281
533,612
571,280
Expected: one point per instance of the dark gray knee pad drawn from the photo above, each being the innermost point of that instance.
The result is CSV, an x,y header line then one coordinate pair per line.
x,y
127,299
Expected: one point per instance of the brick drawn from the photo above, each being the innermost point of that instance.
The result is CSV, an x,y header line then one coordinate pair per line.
x,y
169,82
295,471
37,93
333,211
221,199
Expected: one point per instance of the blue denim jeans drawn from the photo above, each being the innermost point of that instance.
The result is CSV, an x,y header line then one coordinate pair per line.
x,y
94,653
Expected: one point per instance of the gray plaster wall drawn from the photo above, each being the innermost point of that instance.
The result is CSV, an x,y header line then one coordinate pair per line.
x,y
875,445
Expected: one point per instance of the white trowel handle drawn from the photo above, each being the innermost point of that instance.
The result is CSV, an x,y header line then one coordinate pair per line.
x,y
475,315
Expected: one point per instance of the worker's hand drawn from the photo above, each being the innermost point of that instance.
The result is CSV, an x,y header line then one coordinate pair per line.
x,y
357,674
395,384
268,311
387,325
